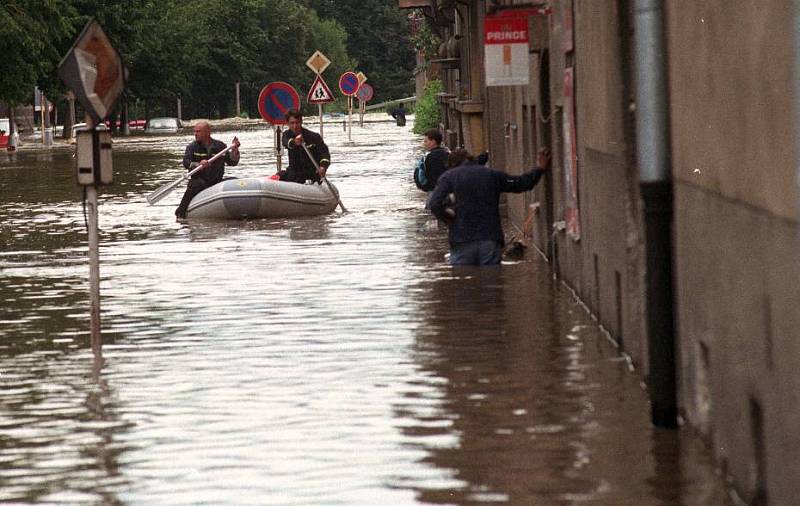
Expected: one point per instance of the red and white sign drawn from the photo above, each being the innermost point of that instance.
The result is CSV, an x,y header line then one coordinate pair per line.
x,y
505,40
365,92
319,92
348,83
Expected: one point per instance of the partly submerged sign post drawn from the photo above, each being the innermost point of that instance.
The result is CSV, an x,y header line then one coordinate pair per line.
x,y
274,102
348,85
319,93
364,94
92,69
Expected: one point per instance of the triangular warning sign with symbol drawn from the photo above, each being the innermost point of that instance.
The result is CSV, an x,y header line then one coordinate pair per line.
x,y
319,92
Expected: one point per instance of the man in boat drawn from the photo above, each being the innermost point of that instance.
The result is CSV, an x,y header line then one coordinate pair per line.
x,y
467,197
301,168
197,154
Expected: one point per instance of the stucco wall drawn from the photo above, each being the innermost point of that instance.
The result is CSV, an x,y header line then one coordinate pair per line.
x,y
736,235
611,278
731,100
737,291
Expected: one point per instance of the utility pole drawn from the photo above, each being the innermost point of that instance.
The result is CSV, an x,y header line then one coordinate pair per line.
x,y
238,107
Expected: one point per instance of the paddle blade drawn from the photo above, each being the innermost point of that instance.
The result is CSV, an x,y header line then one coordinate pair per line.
x,y
163,191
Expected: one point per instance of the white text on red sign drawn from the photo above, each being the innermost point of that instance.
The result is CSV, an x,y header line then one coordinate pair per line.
x,y
500,37
504,30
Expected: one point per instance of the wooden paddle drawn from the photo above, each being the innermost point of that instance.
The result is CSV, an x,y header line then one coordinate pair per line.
x,y
330,186
164,190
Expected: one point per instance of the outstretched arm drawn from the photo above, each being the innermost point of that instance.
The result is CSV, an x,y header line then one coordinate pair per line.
x,y
526,181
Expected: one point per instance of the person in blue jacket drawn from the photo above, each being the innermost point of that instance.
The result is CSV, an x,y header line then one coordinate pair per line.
x,y
198,153
467,197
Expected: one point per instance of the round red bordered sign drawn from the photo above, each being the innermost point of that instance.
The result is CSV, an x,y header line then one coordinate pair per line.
x,y
348,83
365,92
275,100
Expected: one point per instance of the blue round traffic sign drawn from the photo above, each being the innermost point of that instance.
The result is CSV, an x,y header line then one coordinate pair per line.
x,y
365,92
275,100
348,83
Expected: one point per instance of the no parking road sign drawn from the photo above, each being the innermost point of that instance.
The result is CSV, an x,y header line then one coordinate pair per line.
x,y
348,83
365,92
275,100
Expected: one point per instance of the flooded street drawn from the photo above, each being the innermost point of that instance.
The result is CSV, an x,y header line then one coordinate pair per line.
x,y
332,360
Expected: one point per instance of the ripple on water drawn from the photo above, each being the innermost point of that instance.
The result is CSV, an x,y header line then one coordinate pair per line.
x,y
328,360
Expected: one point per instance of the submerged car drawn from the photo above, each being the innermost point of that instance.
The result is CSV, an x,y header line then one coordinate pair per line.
x,y
163,126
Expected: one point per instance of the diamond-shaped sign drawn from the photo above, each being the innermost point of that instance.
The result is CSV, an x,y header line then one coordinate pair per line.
x,y
361,78
318,62
319,92
93,70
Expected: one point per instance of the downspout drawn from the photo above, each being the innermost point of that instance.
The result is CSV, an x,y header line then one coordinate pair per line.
x,y
796,91
652,150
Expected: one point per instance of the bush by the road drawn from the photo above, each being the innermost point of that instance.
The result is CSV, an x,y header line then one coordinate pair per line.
x,y
427,113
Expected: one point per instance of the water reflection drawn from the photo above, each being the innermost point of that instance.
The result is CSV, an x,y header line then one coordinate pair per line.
x,y
326,360
59,431
524,401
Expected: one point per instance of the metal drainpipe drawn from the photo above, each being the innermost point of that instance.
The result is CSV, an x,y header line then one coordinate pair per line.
x,y
652,149
796,91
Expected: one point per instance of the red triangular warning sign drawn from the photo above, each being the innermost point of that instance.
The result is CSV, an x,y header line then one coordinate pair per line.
x,y
319,92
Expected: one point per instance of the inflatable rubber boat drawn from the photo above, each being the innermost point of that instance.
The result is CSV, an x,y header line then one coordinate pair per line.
x,y
262,197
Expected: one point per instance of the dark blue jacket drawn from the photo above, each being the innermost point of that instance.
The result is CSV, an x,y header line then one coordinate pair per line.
x,y
197,151
477,192
300,167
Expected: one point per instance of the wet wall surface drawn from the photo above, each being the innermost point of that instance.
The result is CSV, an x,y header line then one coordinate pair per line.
x,y
326,360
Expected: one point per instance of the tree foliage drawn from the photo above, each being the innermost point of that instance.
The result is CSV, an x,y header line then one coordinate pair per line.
x,y
378,40
198,49
31,32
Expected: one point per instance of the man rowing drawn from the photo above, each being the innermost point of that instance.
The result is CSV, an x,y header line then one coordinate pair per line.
x,y
301,168
198,152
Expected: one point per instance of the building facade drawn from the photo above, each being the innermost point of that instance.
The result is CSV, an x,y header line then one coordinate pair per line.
x,y
695,270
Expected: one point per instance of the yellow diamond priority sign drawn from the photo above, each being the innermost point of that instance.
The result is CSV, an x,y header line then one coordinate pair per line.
x,y
318,62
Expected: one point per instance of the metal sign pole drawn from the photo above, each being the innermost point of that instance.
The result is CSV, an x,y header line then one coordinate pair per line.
x,y
278,146
105,86
94,245
349,118
320,121
94,268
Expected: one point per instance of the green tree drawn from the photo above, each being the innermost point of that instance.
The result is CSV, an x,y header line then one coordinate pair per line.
x,y
377,39
194,49
31,35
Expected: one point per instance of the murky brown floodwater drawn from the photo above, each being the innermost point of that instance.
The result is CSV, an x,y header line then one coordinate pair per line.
x,y
331,360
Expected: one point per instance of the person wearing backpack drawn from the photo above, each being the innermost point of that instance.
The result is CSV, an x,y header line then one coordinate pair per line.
x,y
433,164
